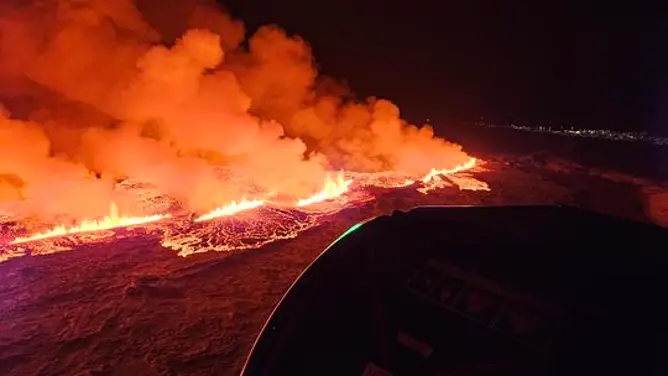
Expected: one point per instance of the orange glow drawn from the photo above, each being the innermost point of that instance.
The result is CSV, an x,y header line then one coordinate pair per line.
x,y
211,114
333,188
449,171
232,208
435,179
111,221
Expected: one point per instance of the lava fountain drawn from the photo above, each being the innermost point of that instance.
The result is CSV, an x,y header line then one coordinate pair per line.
x,y
185,234
232,208
109,222
333,188
173,116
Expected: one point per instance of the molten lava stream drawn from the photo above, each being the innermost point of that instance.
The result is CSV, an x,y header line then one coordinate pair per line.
x,y
111,221
449,171
232,208
333,189
435,179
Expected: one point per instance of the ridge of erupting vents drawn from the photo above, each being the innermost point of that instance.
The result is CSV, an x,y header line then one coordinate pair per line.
x,y
239,225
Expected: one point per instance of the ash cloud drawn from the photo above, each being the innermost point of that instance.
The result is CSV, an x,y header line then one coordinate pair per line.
x,y
100,90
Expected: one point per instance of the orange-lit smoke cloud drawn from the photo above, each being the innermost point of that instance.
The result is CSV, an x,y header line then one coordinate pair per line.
x,y
100,90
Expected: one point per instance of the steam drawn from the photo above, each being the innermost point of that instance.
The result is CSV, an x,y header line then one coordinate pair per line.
x,y
100,90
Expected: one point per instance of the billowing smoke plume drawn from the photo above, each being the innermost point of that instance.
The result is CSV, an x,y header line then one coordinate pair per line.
x,y
100,90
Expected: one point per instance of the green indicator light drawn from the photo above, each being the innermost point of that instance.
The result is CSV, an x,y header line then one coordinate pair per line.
x,y
348,232
352,229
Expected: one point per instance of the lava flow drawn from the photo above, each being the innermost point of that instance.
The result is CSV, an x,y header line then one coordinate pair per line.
x,y
333,188
111,221
232,208
436,178
186,122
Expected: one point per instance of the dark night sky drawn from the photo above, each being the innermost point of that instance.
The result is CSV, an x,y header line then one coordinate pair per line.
x,y
569,63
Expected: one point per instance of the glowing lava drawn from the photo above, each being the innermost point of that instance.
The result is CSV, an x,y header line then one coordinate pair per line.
x,y
111,221
274,220
436,179
333,188
431,176
185,122
232,208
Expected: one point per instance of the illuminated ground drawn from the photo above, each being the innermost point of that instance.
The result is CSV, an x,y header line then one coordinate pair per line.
x,y
130,306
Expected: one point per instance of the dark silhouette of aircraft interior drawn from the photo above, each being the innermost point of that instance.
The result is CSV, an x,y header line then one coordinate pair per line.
x,y
528,290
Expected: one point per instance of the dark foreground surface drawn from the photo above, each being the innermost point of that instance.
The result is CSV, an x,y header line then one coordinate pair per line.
x,y
136,308
484,290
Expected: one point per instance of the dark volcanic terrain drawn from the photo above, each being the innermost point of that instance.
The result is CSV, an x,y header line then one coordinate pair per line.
x,y
135,308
